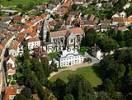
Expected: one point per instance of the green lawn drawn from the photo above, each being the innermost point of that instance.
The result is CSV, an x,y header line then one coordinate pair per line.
x,y
16,2
87,72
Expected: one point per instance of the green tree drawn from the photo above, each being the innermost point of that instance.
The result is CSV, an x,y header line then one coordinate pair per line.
x,y
45,65
48,37
103,96
109,86
107,44
89,39
20,97
39,71
69,97
59,89
80,88
26,92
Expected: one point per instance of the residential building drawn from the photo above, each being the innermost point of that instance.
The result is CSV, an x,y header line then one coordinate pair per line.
x,y
96,52
79,2
10,66
33,43
15,49
10,93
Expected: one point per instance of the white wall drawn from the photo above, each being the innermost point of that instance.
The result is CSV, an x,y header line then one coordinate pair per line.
x,y
34,44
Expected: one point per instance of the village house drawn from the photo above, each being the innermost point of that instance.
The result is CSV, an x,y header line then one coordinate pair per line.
x,y
97,53
69,58
11,61
15,49
88,21
33,43
104,25
121,19
63,8
79,2
10,93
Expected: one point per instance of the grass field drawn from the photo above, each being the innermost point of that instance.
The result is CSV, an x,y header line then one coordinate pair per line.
x,y
23,2
87,72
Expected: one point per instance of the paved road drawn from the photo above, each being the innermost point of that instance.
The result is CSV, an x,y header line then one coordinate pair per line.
x,y
75,67
2,73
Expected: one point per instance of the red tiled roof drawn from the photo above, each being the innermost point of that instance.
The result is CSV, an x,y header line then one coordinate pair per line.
x,y
15,45
122,20
20,37
33,39
77,31
10,90
32,31
1,46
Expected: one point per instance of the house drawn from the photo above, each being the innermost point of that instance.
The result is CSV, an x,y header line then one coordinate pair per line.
x,y
10,70
79,2
63,8
10,93
104,25
15,49
65,39
69,58
10,66
88,21
33,43
122,21
11,61
96,52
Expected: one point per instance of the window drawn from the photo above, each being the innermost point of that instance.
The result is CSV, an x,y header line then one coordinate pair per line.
x,y
71,40
11,97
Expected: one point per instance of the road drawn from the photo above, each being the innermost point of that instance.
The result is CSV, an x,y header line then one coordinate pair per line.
x,y
75,67
2,72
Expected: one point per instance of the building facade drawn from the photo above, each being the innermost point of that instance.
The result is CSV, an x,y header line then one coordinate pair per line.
x,y
69,58
64,40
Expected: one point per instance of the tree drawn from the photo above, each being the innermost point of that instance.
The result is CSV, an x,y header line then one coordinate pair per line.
x,y
53,66
129,10
89,39
109,86
86,91
25,49
26,92
39,71
69,97
45,65
107,44
28,6
20,97
80,88
103,96
48,37
59,89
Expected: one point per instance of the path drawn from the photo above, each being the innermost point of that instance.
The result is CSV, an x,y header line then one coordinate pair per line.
x,y
2,72
75,67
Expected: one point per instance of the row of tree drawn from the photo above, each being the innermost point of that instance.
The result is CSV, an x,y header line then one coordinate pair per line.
x,y
33,74
116,73
107,41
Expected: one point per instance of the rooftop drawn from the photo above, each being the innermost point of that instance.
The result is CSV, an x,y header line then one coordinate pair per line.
x,y
62,33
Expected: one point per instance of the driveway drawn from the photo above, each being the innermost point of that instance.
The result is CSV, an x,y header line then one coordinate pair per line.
x,y
75,67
